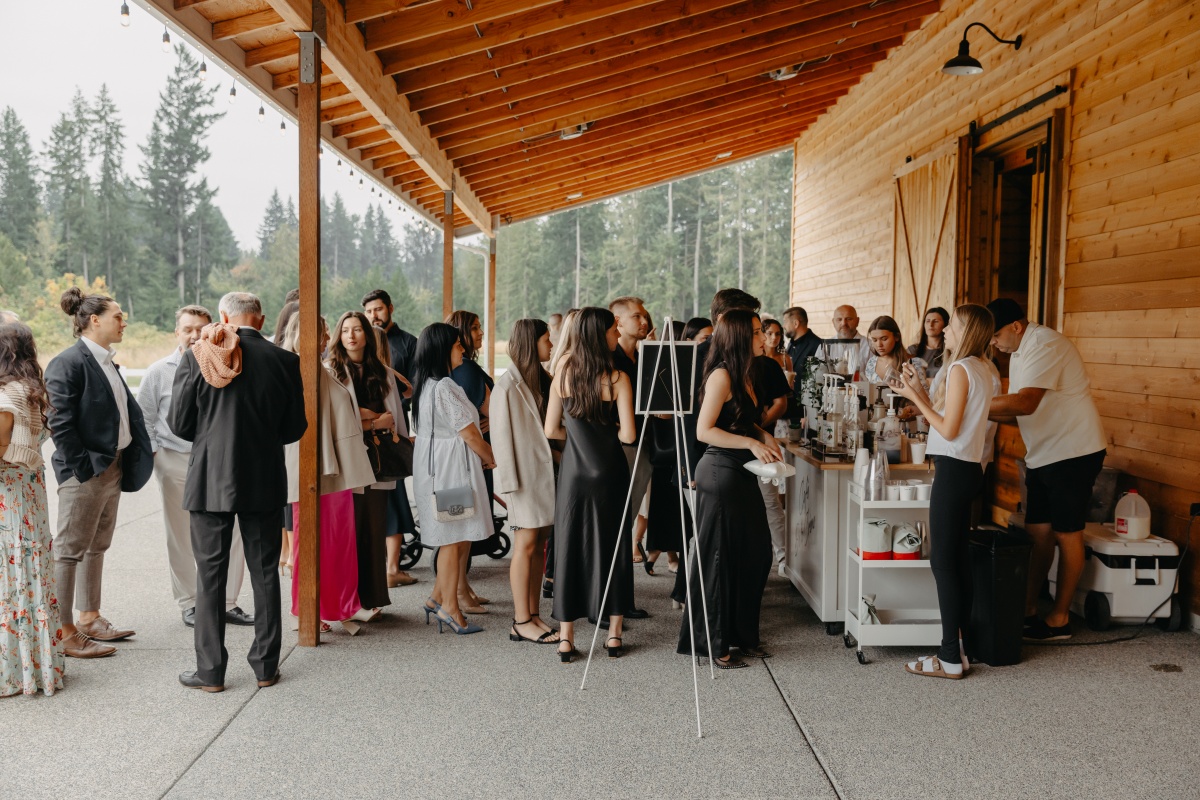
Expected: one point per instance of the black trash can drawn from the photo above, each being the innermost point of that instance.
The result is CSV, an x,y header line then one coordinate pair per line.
x,y
999,570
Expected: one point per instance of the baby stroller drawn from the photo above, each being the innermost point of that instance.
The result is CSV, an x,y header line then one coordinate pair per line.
x,y
495,546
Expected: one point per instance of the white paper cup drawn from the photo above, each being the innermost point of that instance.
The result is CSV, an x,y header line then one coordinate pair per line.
x,y
923,491
908,493
918,452
893,492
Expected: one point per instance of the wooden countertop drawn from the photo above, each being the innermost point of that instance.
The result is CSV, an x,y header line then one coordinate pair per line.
x,y
807,457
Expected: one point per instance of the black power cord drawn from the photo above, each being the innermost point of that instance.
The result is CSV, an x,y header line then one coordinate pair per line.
x,y
1187,544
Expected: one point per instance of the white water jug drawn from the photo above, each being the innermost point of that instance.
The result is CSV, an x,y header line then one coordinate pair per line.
x,y
1132,516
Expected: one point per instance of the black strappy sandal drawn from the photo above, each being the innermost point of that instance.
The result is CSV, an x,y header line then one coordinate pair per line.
x,y
513,636
614,652
566,656
728,662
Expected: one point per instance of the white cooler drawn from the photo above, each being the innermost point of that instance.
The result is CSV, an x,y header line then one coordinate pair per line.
x,y
1124,580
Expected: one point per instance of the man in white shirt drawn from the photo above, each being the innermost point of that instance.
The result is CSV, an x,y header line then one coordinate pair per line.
x,y
845,326
1050,400
171,456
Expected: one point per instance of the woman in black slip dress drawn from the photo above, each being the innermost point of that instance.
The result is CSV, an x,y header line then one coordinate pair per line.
x,y
591,406
732,533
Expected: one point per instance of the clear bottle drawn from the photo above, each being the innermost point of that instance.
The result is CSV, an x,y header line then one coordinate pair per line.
x,y
889,437
851,427
1132,516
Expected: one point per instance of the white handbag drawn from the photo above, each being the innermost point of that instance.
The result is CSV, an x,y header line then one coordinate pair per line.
x,y
875,539
454,503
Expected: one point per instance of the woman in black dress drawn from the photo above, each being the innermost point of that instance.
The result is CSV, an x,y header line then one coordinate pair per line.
x,y
591,406
732,533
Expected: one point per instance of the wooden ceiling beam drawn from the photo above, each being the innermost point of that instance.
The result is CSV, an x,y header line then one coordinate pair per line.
x,y
363,10
385,149
649,47
333,93
818,81
394,160
666,152
290,78
776,48
501,33
402,171
555,199
361,125
443,62
181,4
257,56
607,104
342,111
441,17
616,146
377,136
247,23
344,52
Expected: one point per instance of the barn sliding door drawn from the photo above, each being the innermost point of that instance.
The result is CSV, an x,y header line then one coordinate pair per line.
x,y
930,204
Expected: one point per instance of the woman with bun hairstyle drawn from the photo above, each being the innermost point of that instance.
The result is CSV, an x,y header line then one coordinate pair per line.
x,y
95,460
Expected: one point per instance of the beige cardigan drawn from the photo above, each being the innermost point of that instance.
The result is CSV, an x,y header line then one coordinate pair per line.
x,y
23,449
344,461
524,465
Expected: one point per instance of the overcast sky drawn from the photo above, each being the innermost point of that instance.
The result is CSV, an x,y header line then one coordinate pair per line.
x,y
90,48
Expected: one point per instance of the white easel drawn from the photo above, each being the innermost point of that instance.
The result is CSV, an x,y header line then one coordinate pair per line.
x,y
683,467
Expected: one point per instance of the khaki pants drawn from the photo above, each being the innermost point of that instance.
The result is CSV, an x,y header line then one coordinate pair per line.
x,y
171,468
87,516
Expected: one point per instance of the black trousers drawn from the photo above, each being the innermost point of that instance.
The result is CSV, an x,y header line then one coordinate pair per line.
x,y
212,532
955,485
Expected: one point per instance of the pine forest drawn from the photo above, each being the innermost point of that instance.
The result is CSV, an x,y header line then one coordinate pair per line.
x,y
71,212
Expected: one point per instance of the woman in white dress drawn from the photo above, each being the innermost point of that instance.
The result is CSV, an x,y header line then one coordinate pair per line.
x,y
450,454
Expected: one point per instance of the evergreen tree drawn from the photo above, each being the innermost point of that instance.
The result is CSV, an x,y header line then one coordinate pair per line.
x,y
69,196
173,154
211,246
338,238
19,206
114,222
274,218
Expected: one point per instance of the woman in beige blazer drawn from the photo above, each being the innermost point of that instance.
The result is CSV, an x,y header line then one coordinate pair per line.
x,y
345,469
524,472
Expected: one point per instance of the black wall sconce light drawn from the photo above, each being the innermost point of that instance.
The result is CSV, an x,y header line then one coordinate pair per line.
x,y
964,63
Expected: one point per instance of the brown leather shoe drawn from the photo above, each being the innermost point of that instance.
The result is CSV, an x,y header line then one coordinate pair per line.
x,y
77,645
269,681
400,579
102,630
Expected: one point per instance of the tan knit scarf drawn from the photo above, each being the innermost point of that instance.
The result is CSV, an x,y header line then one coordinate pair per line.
x,y
219,354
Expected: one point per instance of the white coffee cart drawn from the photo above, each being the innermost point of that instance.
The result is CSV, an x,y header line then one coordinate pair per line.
x,y
816,553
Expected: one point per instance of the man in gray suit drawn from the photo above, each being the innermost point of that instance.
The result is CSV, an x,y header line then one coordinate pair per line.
x,y
238,421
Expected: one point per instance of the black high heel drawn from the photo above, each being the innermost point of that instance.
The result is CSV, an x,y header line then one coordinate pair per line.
x,y
514,636
614,652
548,588
648,564
566,656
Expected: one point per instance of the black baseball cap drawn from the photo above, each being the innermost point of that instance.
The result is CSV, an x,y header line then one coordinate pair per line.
x,y
1005,311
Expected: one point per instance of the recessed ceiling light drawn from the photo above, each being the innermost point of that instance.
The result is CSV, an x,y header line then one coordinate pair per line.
x,y
574,195
575,131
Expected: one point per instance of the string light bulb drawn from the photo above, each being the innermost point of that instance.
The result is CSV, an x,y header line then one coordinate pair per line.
x,y
321,153
360,184
232,93
203,70
124,15
352,173
166,41
262,113
282,128
339,165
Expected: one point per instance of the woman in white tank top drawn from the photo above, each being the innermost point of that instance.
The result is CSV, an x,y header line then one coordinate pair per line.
x,y
958,428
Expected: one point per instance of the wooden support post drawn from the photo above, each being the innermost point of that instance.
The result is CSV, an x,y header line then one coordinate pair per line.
x,y
489,302
309,523
448,253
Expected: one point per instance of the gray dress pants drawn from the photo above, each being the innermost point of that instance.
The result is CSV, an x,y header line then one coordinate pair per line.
x,y
87,516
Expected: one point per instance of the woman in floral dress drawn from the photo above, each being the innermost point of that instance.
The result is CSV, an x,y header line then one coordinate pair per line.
x,y
31,650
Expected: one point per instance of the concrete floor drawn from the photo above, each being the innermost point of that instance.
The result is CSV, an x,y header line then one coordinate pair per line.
x,y
402,711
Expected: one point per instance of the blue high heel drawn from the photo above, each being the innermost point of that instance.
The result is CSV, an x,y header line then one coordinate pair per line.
x,y
461,630
436,608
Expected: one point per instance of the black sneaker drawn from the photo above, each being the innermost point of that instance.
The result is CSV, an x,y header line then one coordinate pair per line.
x,y
1041,632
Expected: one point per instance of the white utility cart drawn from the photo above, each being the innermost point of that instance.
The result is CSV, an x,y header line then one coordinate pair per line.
x,y
905,596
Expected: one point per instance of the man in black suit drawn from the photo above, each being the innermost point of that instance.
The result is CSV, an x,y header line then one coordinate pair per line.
x,y
101,450
238,427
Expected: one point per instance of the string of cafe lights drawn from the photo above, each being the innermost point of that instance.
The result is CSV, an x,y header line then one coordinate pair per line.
x,y
407,215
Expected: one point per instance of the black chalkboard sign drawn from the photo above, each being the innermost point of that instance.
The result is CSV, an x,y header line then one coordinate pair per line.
x,y
654,383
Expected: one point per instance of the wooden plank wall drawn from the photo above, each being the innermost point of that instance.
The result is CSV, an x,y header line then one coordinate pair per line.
x,y
1131,278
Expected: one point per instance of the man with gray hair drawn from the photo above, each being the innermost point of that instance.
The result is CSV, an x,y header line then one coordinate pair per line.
x,y
171,456
238,399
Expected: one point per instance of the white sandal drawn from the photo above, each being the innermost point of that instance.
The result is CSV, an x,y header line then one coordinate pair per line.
x,y
931,667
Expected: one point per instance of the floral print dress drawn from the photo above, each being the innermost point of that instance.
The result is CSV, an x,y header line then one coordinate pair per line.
x,y
31,648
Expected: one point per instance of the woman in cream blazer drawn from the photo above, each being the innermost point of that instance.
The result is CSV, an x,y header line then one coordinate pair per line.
x,y
524,475
345,469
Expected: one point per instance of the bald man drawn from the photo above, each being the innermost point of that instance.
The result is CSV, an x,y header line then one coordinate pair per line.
x,y
845,326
